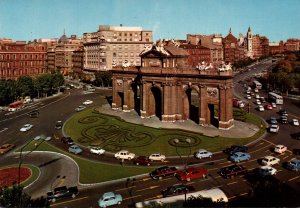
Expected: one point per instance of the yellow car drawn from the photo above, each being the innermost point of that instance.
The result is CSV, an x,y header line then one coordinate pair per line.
x,y
5,148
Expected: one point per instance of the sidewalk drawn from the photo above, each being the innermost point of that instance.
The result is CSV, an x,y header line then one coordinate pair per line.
x,y
240,129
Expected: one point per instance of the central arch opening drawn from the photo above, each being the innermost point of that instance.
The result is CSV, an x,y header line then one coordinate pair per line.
x,y
156,102
193,105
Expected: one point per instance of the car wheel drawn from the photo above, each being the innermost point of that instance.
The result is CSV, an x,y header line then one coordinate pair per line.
x,y
53,200
204,176
137,163
159,178
73,195
129,158
210,156
118,157
162,160
148,164
188,179
200,158
119,202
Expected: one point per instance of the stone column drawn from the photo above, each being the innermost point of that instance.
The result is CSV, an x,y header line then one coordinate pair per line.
x,y
203,107
116,101
225,107
143,99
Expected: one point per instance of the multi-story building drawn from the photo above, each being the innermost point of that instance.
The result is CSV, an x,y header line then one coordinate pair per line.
x,y
260,46
276,47
233,51
114,45
213,42
51,58
63,53
292,44
197,54
77,59
22,59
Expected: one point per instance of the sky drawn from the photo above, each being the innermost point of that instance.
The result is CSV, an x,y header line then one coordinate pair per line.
x,y
168,19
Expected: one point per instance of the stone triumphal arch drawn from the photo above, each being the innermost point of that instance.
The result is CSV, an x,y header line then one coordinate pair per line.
x,y
166,87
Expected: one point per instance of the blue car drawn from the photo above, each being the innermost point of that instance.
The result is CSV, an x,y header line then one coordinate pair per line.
x,y
293,165
240,156
75,149
109,199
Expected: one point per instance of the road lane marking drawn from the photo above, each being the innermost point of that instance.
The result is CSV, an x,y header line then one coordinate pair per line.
x,y
131,197
213,169
285,157
4,129
260,149
224,162
149,188
145,179
122,189
60,203
293,178
275,145
156,197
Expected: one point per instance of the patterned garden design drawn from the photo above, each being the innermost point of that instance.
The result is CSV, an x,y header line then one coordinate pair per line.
x,y
10,175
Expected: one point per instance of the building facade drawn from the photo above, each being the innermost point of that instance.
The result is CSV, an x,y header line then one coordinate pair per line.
x,y
167,87
197,54
276,47
22,59
292,44
213,42
233,50
114,45
77,59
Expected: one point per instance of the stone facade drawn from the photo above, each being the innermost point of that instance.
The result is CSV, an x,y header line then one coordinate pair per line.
x,y
165,86
233,51
111,46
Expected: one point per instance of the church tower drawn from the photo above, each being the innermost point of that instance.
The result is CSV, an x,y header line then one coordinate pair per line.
x,y
249,43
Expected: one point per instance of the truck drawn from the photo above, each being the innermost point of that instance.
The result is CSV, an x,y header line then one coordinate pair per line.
x,y
215,194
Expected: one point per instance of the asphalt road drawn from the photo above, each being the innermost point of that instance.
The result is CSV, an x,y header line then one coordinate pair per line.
x,y
143,187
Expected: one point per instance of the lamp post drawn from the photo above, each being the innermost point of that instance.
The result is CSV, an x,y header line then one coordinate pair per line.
x,y
189,142
21,157
177,141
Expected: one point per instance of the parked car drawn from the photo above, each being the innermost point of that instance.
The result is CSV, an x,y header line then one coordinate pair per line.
x,y
177,189
273,105
268,107
267,171
5,148
284,119
274,128
295,122
109,199
236,148
202,153
248,97
162,172
255,90
141,160
270,160
293,165
273,120
257,96
258,102
233,170
191,173
262,99
87,102
26,127
240,156
97,150
58,125
75,149
124,154
157,157
283,112
80,108
280,148
62,192
260,108
67,140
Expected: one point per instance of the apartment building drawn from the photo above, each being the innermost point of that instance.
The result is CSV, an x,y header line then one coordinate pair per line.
x,y
233,50
114,45
22,58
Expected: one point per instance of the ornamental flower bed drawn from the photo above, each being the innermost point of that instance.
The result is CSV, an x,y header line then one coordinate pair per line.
x,y
10,175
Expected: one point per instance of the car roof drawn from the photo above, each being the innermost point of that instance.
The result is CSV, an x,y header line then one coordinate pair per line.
x,y
239,153
295,161
266,167
108,194
280,145
270,157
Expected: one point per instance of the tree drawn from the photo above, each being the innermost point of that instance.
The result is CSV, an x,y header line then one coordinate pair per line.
x,y
57,80
103,78
25,86
284,66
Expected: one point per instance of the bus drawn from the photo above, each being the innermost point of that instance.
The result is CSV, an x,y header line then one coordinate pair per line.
x,y
273,97
257,85
15,106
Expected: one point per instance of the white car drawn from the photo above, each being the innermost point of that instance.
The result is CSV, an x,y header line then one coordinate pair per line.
x,y
273,105
255,90
248,97
26,127
157,157
87,102
124,154
257,96
202,153
274,128
258,102
80,108
280,148
267,170
261,108
270,160
295,122
97,150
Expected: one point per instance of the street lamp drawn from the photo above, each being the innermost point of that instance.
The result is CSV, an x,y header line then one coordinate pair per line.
x,y
189,142
21,157
177,141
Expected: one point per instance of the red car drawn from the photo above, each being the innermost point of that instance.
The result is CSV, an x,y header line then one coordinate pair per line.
x,y
191,173
268,107
142,160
